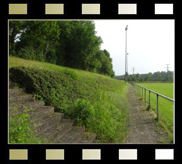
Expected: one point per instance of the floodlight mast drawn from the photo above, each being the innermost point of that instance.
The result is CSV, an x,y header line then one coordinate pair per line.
x,y
126,53
127,65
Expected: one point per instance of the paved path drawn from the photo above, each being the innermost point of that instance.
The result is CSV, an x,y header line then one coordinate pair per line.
x,y
142,125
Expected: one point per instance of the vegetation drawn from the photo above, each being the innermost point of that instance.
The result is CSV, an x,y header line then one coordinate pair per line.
x,y
21,129
96,101
165,106
66,43
156,76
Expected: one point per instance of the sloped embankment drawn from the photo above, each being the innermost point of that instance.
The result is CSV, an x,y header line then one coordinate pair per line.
x,y
97,102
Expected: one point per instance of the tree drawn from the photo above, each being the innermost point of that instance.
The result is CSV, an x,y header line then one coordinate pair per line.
x,y
131,78
39,37
67,43
138,76
80,43
106,63
159,76
171,77
15,31
149,75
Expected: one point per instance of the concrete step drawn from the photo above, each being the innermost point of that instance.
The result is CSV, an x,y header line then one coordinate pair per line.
x,y
41,112
16,92
87,138
20,99
47,122
18,108
73,135
55,133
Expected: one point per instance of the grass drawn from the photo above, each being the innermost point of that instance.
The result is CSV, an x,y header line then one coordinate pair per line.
x,y
14,61
96,101
165,106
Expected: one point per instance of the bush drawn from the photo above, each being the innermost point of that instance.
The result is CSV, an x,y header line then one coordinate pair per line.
x,y
21,129
82,112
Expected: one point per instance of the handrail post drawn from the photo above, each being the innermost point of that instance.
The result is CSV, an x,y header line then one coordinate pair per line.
x,y
149,99
142,93
157,106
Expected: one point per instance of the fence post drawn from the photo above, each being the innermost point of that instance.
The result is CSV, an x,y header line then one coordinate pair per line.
x,y
157,107
149,99
145,95
142,93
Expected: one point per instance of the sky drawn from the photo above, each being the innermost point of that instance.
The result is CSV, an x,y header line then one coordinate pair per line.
x,y
150,44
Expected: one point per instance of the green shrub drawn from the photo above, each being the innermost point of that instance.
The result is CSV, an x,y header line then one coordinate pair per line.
x,y
81,111
21,129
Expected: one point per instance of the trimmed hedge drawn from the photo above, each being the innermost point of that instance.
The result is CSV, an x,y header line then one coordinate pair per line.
x,y
96,102
55,88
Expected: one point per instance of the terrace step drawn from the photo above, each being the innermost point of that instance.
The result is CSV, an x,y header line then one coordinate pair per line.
x,y
41,112
48,124
20,99
73,135
55,133
16,92
87,138
18,108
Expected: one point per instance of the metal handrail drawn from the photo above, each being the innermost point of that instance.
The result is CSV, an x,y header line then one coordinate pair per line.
x,y
158,94
155,92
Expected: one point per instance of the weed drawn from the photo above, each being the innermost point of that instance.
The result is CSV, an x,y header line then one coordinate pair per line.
x,y
21,129
36,96
148,107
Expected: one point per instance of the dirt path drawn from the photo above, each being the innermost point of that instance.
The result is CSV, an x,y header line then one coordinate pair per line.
x,y
142,125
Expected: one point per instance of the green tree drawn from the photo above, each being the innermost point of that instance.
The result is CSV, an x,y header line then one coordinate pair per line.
x,y
149,75
68,43
80,43
39,37
138,76
16,28
106,67
159,76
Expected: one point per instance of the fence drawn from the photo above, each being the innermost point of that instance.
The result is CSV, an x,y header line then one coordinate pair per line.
x,y
140,89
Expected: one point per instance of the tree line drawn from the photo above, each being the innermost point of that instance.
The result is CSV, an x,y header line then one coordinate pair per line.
x,y
65,43
156,76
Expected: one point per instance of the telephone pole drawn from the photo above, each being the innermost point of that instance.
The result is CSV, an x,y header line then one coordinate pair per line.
x,y
126,54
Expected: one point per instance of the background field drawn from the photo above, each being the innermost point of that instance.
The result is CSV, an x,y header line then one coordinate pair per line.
x,y
165,106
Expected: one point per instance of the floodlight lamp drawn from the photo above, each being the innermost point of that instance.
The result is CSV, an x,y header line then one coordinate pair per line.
x,y
126,27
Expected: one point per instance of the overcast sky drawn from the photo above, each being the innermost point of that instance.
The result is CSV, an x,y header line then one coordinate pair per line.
x,y
150,44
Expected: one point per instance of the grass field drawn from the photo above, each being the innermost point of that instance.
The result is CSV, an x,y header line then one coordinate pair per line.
x,y
165,106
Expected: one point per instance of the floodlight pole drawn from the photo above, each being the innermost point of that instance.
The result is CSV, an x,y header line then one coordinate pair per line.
x,y
127,65
126,53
